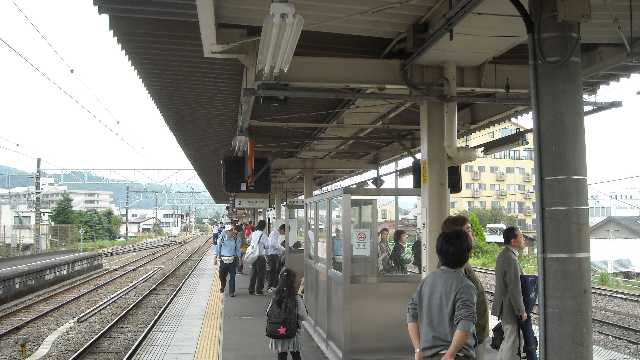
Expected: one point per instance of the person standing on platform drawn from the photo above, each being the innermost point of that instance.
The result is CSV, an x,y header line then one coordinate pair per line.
x,y
228,255
441,315
385,266
273,256
460,222
259,266
508,305
397,254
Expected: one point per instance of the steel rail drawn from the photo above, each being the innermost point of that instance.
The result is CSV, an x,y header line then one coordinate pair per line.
x,y
106,329
66,302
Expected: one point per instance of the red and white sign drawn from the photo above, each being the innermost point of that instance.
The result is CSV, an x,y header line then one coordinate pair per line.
x,y
361,242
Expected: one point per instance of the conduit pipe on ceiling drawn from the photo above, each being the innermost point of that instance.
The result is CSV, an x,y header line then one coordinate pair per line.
x,y
457,155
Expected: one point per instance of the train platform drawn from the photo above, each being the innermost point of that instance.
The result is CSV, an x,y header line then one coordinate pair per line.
x,y
19,262
203,324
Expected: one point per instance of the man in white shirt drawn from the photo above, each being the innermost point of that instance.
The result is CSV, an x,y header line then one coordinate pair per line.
x,y
273,252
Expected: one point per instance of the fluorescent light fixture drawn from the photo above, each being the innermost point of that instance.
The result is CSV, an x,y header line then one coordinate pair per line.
x,y
517,139
280,33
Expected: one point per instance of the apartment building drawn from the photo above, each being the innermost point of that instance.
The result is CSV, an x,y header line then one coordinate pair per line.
x,y
504,180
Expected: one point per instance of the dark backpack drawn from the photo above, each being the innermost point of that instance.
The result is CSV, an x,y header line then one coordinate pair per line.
x,y
498,336
281,323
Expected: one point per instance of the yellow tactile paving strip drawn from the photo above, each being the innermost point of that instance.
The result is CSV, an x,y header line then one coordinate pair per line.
x,y
209,340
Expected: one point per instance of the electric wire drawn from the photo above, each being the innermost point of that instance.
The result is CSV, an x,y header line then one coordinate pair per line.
x,y
614,180
65,62
66,93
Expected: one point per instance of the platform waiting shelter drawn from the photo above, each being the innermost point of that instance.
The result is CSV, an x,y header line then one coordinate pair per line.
x,y
356,308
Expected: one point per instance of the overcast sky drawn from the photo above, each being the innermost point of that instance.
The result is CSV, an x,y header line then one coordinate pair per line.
x,y
37,119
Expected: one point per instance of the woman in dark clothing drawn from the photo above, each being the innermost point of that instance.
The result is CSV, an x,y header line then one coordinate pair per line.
x,y
259,266
400,241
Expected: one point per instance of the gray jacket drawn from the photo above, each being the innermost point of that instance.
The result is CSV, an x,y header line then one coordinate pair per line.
x,y
508,293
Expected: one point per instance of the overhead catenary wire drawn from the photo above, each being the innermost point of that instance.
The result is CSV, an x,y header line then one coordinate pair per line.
x,y
65,62
66,93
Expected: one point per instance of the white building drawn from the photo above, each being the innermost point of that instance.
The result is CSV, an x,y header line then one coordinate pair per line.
x,y
51,194
171,221
614,203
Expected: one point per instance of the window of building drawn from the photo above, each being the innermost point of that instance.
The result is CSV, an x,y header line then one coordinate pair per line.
x,y
512,188
521,188
514,154
22,220
482,186
506,132
495,205
520,170
468,186
494,187
483,205
469,205
452,205
468,168
491,135
522,224
512,207
384,214
481,169
510,170
527,154
521,207
494,169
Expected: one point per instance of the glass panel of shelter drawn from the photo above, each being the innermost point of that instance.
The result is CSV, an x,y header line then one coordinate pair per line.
x,y
335,226
310,228
321,230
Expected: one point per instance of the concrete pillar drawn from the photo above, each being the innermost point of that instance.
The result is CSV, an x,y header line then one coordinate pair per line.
x,y
277,201
434,191
308,183
561,176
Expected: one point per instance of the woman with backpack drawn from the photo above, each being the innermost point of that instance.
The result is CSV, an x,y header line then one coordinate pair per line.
x,y
285,313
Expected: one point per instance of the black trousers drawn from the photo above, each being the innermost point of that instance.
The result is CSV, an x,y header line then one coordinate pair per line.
x,y
230,270
258,274
295,355
273,269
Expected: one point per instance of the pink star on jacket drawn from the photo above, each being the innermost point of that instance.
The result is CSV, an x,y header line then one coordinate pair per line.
x,y
282,330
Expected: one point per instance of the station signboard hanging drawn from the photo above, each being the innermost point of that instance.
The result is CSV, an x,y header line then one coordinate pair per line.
x,y
256,203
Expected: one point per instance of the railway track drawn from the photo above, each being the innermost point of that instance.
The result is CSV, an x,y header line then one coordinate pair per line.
x,y
25,314
120,338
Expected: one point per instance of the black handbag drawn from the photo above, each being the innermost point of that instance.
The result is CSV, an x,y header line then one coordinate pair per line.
x,y
498,336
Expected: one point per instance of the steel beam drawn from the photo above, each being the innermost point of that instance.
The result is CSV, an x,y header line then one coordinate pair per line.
x,y
323,164
258,123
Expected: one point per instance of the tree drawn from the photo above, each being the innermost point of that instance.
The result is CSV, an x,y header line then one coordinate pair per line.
x,y
492,216
476,227
63,212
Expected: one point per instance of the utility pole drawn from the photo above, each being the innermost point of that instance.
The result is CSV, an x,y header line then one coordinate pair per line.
x,y
155,195
126,215
38,215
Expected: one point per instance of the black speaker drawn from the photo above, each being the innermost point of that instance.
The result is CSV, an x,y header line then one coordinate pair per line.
x,y
455,179
454,174
234,177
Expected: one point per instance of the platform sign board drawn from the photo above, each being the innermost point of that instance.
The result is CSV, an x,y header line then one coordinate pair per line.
x,y
361,241
257,203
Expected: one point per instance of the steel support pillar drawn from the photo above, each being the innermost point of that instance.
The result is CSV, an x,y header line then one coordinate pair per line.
x,y
433,191
561,176
308,183
277,203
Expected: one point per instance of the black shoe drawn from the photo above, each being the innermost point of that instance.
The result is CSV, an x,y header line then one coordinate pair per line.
x,y
232,295
251,293
221,290
259,293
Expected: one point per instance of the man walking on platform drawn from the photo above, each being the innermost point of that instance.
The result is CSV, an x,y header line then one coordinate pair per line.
x,y
273,256
508,305
228,256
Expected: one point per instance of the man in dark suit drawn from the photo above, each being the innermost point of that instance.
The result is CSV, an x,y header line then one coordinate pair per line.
x,y
507,302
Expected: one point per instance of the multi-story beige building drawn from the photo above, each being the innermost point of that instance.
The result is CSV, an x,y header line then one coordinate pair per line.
x,y
503,180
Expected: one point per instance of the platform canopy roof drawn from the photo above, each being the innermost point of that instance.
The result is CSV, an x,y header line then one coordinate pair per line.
x,y
344,102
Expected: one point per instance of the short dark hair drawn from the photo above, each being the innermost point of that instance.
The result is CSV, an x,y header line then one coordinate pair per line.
x,y
282,227
456,222
509,234
397,235
261,225
238,228
453,248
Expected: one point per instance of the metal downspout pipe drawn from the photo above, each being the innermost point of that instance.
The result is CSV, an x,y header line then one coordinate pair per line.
x,y
456,155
